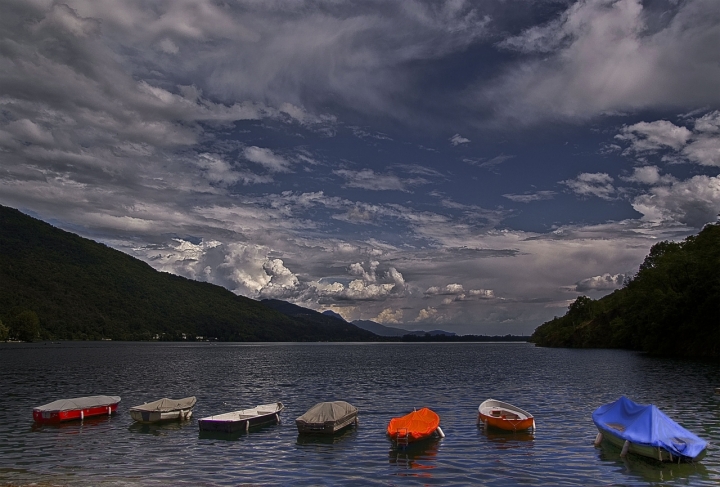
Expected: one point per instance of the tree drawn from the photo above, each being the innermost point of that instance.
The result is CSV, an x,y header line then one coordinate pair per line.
x,y
26,326
4,332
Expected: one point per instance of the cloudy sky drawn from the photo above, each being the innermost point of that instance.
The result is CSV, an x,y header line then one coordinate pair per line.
x,y
472,166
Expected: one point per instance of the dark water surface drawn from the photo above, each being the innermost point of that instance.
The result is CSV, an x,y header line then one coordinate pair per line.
x,y
560,387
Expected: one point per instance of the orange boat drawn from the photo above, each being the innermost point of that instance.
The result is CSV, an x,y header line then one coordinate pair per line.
x,y
504,416
415,426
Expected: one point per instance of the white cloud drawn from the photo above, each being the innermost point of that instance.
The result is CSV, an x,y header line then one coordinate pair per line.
x,y
693,202
644,136
457,139
266,158
649,175
704,149
604,56
449,289
605,282
389,316
709,122
426,314
592,184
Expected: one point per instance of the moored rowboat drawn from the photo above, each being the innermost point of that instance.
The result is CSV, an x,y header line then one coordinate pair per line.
x,y
242,420
327,418
646,431
163,410
76,408
417,425
498,414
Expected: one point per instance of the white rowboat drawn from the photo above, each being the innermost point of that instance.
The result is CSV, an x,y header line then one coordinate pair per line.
x,y
242,420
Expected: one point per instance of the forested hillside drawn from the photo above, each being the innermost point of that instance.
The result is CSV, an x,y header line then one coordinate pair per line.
x,y
671,307
57,285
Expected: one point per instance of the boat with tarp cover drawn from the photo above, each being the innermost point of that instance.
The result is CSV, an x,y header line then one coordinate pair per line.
x,y
418,425
243,420
645,430
76,408
327,418
504,416
164,409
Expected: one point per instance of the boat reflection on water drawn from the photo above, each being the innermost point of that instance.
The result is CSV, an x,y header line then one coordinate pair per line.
x,y
505,440
72,427
651,470
418,457
310,439
158,429
236,435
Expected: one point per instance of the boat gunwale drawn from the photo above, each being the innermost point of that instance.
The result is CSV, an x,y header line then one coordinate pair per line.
x,y
242,414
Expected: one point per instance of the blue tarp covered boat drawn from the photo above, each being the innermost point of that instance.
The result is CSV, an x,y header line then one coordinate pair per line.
x,y
647,431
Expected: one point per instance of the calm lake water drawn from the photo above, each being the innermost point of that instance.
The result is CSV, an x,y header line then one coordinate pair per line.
x,y
560,387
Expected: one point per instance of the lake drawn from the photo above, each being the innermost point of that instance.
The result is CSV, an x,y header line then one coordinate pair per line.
x,y
560,387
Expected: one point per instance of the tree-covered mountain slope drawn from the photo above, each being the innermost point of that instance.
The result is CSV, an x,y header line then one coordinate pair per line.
x,y
57,285
671,307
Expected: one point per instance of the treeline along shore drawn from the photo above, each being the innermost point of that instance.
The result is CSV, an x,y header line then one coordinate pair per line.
x,y
671,307
55,285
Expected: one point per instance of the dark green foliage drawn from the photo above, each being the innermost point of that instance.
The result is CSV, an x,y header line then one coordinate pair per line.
x,y
4,332
25,326
671,307
82,290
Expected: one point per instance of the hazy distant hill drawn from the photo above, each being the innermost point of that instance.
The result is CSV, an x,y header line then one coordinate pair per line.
x,y
389,331
58,285
329,312
322,320
378,329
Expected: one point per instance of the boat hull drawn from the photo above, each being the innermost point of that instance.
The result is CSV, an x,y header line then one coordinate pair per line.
x,y
158,417
327,428
73,414
654,452
504,416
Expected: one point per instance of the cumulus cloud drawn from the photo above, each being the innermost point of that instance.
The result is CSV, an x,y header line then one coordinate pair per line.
x,y
605,282
692,202
700,146
704,145
644,136
592,184
389,316
426,314
649,175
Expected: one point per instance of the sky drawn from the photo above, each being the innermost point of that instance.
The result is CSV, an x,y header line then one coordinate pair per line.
x,y
471,166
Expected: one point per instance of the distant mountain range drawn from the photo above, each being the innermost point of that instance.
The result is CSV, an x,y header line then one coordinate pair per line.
x,y
58,285
388,331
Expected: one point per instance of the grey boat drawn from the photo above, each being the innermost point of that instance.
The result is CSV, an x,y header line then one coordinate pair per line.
x,y
327,418
164,409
